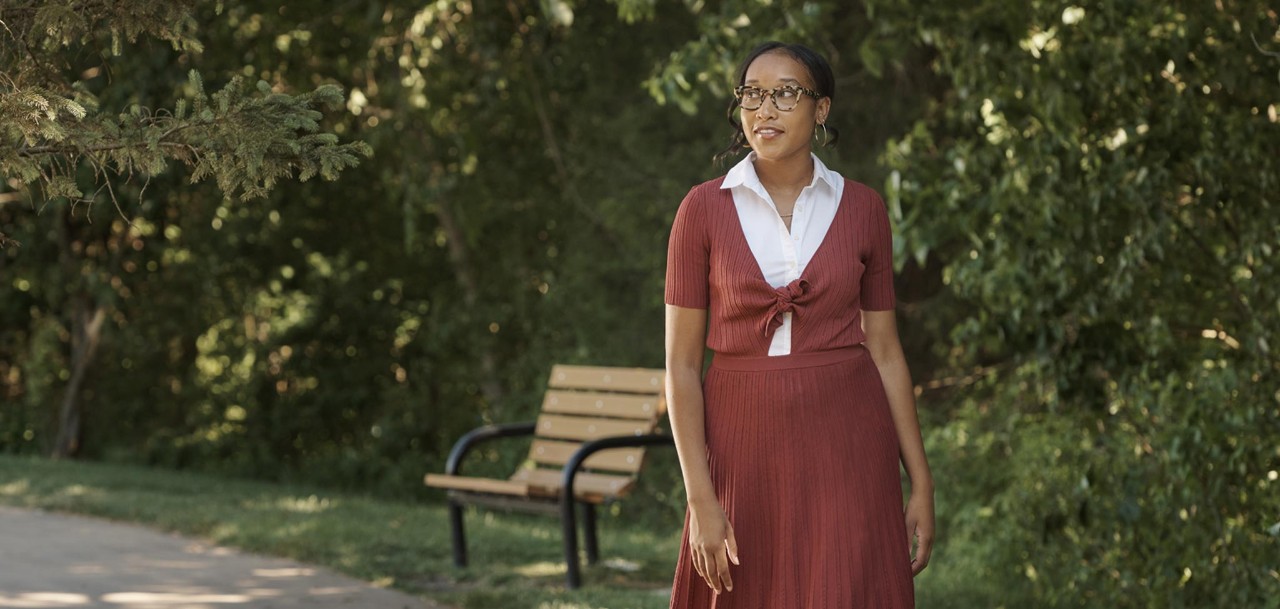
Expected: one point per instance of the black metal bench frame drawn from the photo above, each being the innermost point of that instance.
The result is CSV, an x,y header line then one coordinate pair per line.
x,y
564,503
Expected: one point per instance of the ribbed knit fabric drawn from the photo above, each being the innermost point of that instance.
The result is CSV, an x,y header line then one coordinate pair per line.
x,y
710,265
802,449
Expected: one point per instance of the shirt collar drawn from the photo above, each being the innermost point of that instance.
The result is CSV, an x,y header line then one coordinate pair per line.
x,y
744,174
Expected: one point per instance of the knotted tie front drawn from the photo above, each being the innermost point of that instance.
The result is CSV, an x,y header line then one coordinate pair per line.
x,y
786,299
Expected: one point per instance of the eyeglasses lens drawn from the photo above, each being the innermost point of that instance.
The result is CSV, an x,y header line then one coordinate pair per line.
x,y
784,99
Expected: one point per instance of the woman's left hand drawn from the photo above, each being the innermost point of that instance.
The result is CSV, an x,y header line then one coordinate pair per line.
x,y
919,514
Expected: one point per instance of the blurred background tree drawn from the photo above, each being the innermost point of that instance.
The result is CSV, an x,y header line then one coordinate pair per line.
x,y
1083,199
52,58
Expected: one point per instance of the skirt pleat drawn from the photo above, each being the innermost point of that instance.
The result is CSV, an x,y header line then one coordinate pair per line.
x,y
804,461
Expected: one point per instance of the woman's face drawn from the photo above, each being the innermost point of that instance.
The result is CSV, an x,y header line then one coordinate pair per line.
x,y
777,135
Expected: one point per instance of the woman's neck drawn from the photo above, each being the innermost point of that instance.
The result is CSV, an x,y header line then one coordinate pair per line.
x,y
789,175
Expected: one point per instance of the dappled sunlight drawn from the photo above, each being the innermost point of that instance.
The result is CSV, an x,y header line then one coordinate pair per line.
x,y
226,530
41,600
15,488
330,591
541,569
621,564
297,530
79,491
285,572
174,599
304,505
208,550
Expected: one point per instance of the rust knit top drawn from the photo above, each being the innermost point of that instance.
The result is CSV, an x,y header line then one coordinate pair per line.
x,y
710,266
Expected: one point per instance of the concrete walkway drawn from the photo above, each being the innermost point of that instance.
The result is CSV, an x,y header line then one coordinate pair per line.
x,y
54,561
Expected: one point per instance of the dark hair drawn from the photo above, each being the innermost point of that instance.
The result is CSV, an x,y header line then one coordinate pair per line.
x,y
819,70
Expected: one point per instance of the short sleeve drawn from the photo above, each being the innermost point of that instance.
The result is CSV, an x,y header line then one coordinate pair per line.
x,y
688,253
876,290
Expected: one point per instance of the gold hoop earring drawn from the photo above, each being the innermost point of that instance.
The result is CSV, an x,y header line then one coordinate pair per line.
x,y
826,135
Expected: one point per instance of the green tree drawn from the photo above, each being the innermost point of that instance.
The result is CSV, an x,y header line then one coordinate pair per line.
x,y
347,333
1082,196
350,333
60,144
1100,180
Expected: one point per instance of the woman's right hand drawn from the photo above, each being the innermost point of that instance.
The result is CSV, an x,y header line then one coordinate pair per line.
x,y
712,546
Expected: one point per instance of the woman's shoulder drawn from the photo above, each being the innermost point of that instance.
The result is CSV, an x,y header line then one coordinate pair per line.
x,y
708,194
707,189
860,192
865,200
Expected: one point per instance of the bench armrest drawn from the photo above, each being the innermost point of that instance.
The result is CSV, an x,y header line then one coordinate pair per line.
x,y
568,514
481,434
589,448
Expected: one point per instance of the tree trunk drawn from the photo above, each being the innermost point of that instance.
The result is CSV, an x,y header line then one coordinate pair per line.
x,y
490,386
87,317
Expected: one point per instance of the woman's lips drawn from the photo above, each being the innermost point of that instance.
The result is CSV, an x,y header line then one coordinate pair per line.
x,y
768,132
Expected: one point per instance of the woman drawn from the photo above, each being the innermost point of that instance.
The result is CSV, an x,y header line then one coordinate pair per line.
x,y
790,446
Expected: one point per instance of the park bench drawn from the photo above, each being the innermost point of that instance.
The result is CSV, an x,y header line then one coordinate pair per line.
x,y
588,447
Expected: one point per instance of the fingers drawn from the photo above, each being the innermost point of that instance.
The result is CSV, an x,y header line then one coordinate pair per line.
x,y
700,565
713,567
731,544
911,534
924,549
723,556
722,578
695,560
712,564
712,546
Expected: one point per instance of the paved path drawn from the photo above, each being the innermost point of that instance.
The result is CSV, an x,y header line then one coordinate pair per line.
x,y
55,561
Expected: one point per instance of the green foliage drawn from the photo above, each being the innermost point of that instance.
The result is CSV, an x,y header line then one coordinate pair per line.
x,y
1101,187
337,333
1083,198
43,26
246,141
705,64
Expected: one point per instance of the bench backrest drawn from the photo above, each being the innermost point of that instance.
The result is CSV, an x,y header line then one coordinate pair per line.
x,y
588,402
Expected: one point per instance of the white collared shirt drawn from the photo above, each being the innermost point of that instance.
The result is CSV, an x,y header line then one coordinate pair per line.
x,y
782,254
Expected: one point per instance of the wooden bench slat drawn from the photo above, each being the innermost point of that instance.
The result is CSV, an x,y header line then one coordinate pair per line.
x,y
552,452
588,428
478,485
582,403
594,403
633,380
588,486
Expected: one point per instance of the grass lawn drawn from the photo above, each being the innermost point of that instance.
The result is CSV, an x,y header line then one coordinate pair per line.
x,y
516,560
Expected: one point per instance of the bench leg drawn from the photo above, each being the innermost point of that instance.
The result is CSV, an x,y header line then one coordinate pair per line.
x,y
589,533
568,520
459,536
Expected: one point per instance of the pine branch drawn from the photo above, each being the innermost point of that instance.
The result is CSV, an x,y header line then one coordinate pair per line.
x,y
245,140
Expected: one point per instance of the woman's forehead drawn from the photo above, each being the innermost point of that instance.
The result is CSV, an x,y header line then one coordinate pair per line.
x,y
776,67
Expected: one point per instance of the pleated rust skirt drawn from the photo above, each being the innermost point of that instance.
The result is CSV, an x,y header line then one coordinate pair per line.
x,y
804,459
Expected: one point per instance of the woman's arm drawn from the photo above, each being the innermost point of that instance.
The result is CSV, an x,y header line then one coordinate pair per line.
x,y
881,329
710,534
